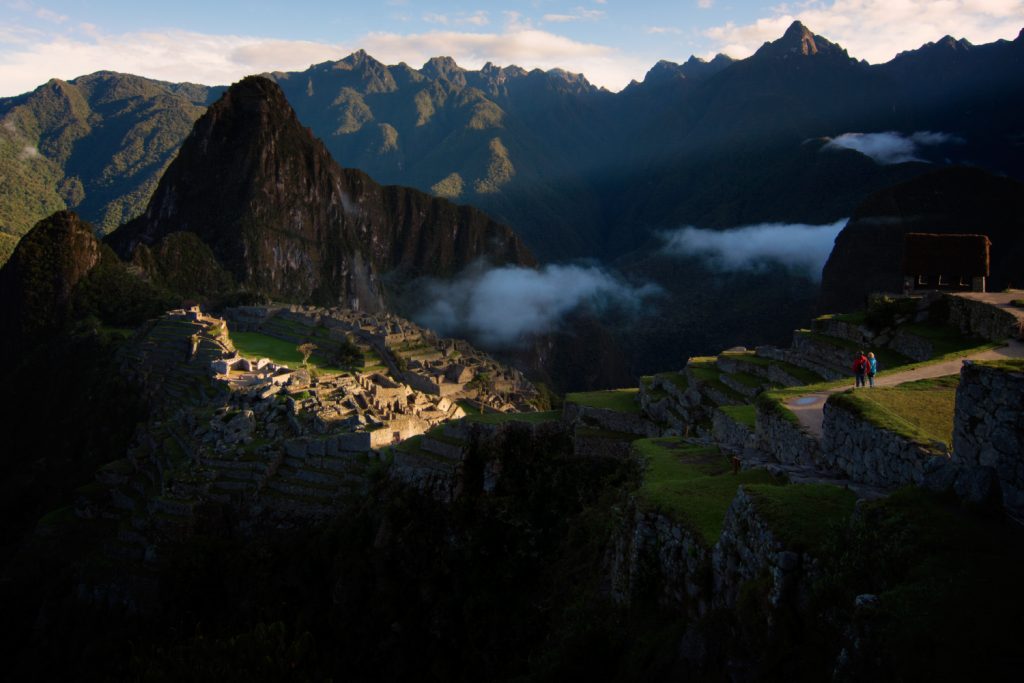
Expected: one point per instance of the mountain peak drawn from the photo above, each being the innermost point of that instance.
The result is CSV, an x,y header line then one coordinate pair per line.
x,y
441,67
800,41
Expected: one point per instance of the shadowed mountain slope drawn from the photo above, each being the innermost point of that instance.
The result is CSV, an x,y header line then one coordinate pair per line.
x,y
289,223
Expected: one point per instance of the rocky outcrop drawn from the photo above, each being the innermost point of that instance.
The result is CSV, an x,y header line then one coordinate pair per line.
x,y
656,556
988,427
286,221
868,454
748,550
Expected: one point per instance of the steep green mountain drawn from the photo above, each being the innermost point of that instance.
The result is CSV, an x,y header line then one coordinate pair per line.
x,y
96,144
287,222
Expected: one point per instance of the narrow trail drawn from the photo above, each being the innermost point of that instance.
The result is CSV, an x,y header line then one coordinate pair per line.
x,y
809,408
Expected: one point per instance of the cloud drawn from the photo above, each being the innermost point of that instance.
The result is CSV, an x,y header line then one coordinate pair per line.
x,y
705,4
890,147
799,246
656,30
222,59
580,14
503,307
876,30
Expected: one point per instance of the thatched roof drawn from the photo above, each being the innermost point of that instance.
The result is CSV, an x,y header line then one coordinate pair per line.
x,y
945,254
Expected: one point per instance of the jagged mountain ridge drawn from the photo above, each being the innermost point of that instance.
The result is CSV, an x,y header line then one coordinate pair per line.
x,y
580,171
289,223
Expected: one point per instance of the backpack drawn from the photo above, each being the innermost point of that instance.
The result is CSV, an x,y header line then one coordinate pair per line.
x,y
858,365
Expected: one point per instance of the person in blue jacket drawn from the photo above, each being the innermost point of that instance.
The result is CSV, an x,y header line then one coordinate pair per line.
x,y
872,368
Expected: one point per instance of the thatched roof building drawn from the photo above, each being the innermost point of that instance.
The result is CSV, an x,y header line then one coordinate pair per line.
x,y
946,254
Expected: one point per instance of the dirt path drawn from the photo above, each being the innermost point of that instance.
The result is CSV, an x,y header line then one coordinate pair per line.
x,y
809,408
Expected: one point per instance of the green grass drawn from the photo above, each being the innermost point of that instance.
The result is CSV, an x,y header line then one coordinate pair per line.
x,y
676,378
802,374
706,373
1010,364
944,339
503,418
619,400
803,515
1019,303
258,345
921,411
748,380
745,414
693,484
949,583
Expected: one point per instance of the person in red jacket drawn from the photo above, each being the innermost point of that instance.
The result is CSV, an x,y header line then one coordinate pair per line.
x,y
860,368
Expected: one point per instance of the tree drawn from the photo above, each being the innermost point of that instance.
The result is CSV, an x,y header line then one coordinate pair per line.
x,y
483,384
306,349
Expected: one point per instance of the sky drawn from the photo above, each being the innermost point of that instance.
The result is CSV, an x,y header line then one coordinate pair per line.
x,y
610,41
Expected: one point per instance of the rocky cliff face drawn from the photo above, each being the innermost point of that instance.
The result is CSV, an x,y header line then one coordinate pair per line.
x,y
288,222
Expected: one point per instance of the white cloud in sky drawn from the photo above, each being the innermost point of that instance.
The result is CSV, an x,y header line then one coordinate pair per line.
x,y
876,30
503,307
890,147
579,14
798,246
659,30
705,4
33,57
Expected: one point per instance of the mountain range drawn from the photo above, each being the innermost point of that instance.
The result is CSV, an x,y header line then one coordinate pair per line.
x,y
799,132
574,169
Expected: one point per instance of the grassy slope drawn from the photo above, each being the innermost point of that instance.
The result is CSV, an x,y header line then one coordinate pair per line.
x,y
620,400
803,515
921,411
694,485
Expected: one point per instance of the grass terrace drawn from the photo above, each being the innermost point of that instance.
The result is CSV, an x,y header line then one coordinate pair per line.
x,y
705,372
803,516
258,345
619,400
745,414
922,411
693,484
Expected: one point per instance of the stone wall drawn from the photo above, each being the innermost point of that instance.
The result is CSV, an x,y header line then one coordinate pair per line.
x,y
828,360
610,420
730,433
748,550
869,454
653,555
783,439
981,319
988,427
912,346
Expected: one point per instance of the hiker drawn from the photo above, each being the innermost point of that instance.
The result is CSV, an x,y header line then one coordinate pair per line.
x,y
872,368
860,368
